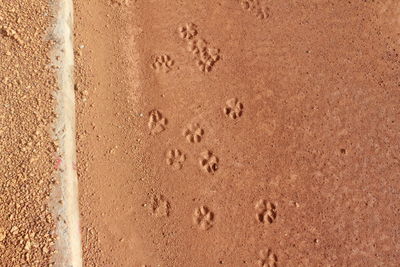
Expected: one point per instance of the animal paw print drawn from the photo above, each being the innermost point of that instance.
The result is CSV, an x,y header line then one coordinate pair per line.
x,y
120,2
233,108
160,206
163,63
207,61
157,122
209,162
189,31
175,158
254,6
193,133
267,258
197,46
206,57
266,211
203,218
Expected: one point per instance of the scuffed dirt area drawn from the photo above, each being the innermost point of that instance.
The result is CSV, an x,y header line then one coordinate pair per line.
x,y
26,147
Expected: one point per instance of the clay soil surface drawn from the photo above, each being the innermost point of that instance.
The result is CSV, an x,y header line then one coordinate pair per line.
x,y
239,132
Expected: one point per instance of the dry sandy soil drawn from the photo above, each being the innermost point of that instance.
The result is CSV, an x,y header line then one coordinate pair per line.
x,y
210,133
237,133
27,150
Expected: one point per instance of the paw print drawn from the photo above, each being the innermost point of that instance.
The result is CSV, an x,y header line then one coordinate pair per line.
x,y
197,46
210,54
189,31
266,211
207,59
193,133
175,158
160,206
262,13
203,218
209,162
234,108
248,4
267,258
163,63
255,8
120,2
157,122
205,66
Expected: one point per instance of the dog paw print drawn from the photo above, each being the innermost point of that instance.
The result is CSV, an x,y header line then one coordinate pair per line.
x,y
262,13
248,4
210,54
233,108
188,32
209,162
157,122
193,133
204,55
197,46
163,63
175,158
205,66
254,7
267,258
207,59
160,206
266,211
203,218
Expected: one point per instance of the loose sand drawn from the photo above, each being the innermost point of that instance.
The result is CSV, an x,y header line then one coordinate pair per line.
x,y
210,133
27,161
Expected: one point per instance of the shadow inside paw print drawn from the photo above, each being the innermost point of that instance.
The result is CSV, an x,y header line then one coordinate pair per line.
x,y
189,31
203,218
267,258
266,211
157,122
175,158
193,133
233,108
209,162
163,63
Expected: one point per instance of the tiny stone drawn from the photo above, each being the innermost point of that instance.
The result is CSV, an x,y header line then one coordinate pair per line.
x,y
2,234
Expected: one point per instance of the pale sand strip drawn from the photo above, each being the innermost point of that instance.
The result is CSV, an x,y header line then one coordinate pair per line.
x,y
69,243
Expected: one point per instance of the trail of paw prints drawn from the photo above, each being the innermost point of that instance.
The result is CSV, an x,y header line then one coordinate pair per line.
x,y
208,162
204,55
193,133
266,211
162,63
233,108
157,122
267,258
175,159
160,206
256,8
203,218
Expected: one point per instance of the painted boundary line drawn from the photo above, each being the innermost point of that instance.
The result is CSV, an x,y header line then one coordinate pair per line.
x,y
68,244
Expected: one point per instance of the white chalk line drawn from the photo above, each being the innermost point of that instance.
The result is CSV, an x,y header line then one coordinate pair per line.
x,y
68,244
